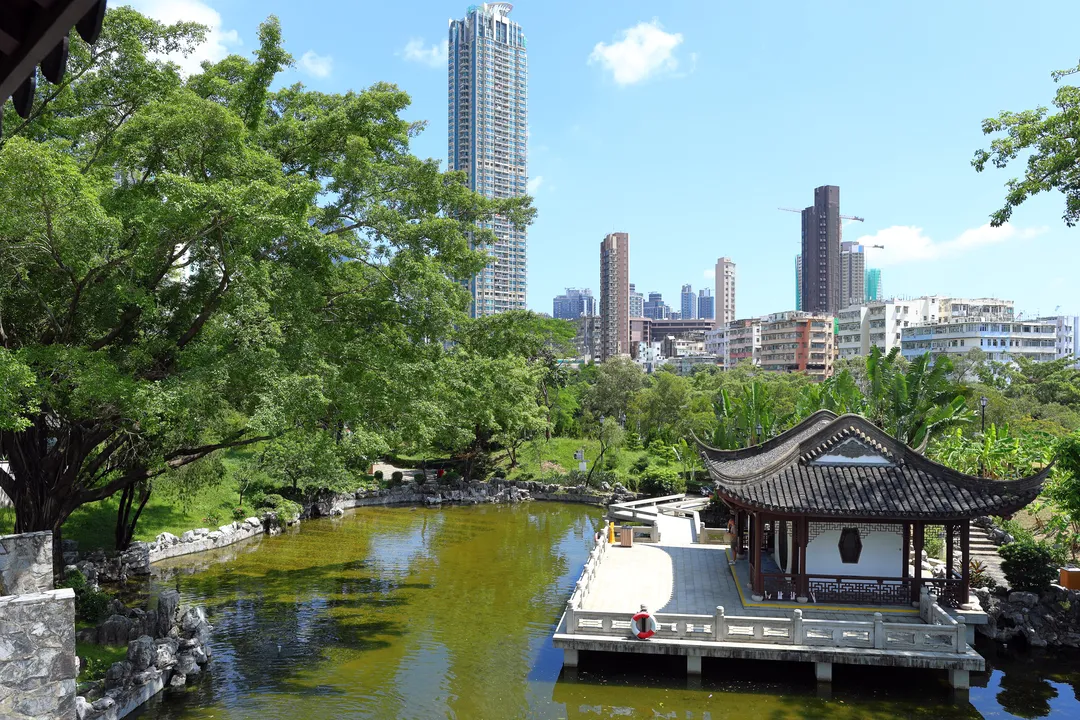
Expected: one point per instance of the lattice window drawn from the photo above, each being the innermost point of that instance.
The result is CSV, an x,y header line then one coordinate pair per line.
x,y
817,528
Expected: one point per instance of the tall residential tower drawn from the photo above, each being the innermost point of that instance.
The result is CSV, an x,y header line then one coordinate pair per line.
x,y
725,291
852,274
821,252
614,296
488,102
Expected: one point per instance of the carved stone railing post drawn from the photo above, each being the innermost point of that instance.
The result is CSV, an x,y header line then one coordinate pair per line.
x,y
571,620
719,624
961,634
798,636
879,632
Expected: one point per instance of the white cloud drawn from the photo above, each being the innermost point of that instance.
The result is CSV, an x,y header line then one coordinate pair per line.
x,y
906,243
317,65
641,52
710,274
534,184
432,55
219,41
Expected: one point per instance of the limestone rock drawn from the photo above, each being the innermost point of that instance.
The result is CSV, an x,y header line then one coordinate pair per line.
x,y
253,522
166,653
168,602
116,675
215,536
186,665
178,680
104,704
167,539
1027,599
83,708
142,653
188,536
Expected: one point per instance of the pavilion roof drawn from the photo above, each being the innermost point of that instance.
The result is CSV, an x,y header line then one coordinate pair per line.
x,y
845,466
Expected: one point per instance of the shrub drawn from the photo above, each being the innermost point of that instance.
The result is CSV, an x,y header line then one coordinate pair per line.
x,y
499,473
526,475
1014,528
211,519
611,461
978,577
239,513
91,605
396,478
659,481
933,543
1028,565
285,509
378,475
640,465
451,476
419,478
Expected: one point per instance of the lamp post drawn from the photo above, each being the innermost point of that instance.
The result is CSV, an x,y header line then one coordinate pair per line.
x,y
758,428
983,402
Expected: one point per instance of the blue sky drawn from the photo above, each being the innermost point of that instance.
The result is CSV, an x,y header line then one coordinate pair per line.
x,y
687,124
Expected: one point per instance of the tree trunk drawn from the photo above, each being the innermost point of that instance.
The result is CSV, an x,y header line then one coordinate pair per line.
x,y
125,520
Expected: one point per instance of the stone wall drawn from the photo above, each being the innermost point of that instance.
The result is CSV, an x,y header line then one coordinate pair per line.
x,y
37,655
26,563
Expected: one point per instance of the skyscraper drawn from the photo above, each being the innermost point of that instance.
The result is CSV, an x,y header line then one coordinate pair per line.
x,y
488,74
706,310
614,296
725,291
637,303
873,285
655,307
575,303
688,309
798,282
852,274
821,252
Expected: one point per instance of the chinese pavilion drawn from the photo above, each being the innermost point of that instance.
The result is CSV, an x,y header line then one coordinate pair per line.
x,y
836,510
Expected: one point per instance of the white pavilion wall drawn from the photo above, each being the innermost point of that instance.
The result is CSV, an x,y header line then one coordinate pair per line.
x,y
882,550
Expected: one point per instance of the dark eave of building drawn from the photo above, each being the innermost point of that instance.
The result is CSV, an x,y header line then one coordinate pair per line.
x,y
36,32
792,474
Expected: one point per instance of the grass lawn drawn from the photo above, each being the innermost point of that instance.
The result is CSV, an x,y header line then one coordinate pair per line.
x,y
97,659
543,458
94,525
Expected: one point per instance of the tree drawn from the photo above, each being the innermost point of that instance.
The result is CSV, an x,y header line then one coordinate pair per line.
x,y
663,407
617,380
192,268
1050,143
609,434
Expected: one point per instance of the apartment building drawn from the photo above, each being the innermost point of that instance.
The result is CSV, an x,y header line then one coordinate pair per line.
x,y
614,295
866,325
716,344
724,298
796,341
1001,338
743,342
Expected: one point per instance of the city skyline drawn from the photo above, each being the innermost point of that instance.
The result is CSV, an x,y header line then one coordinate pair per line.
x,y
893,130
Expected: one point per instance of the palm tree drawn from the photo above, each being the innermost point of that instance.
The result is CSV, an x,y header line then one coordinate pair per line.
x,y
922,401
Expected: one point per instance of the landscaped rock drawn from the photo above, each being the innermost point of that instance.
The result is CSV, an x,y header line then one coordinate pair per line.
x,y
253,522
104,704
83,708
215,536
188,536
1027,599
227,529
166,649
142,653
186,665
168,602
167,539
114,631
201,532
116,675
178,680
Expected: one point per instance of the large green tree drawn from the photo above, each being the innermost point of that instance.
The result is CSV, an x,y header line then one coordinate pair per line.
x,y
194,265
1050,142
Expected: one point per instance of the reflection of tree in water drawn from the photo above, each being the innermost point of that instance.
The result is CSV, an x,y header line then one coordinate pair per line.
x,y
349,611
1025,693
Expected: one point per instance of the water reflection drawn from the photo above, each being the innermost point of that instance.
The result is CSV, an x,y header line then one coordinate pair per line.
x,y
418,613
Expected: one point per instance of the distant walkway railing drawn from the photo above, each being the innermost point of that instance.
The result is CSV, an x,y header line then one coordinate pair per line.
x,y
588,574
938,631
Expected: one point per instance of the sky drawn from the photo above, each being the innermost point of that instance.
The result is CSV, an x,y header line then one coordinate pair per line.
x,y
688,124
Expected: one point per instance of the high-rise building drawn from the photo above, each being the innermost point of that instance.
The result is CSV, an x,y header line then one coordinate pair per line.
x,y
688,309
637,303
614,295
1067,327
656,308
852,274
488,117
873,285
725,291
706,309
798,282
575,303
821,252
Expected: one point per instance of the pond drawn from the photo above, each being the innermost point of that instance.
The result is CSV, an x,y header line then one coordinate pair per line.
x,y
433,613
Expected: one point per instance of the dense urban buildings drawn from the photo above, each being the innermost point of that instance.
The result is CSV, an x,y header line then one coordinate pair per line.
x,y
879,324
852,274
656,308
797,342
821,252
872,284
1001,338
744,342
688,304
637,303
1066,327
706,309
725,291
488,119
587,338
614,295
575,303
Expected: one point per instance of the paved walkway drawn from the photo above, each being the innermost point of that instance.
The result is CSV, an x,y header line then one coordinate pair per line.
x,y
688,578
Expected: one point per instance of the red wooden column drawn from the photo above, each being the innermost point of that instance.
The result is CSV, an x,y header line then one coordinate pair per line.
x,y
917,546
759,582
948,552
965,557
804,540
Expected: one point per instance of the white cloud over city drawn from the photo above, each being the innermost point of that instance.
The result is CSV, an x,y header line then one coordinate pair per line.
x,y
317,65
638,53
219,40
907,243
534,184
433,55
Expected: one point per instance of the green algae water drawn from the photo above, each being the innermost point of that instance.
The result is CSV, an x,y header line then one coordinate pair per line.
x,y
447,613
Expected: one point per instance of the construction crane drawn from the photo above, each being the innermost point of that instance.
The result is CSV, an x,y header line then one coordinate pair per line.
x,y
842,217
